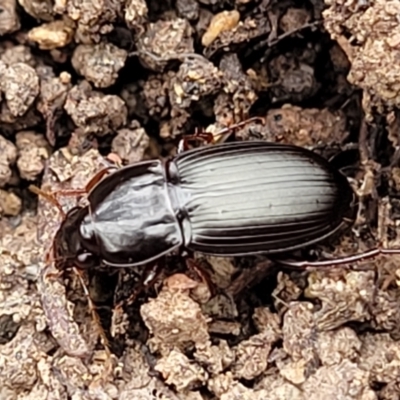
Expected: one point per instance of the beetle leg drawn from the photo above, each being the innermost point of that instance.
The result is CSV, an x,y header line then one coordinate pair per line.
x,y
65,331
54,274
52,196
209,137
115,159
148,278
232,128
202,273
93,312
58,314
340,260
200,136
89,186
98,177
69,192
250,277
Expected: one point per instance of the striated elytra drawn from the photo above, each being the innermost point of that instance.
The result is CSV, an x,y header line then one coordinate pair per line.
x,y
231,199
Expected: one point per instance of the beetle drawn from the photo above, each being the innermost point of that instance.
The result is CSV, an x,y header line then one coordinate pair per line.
x,y
229,199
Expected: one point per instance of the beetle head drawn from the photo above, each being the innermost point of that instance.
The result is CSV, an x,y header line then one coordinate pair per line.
x,y
69,246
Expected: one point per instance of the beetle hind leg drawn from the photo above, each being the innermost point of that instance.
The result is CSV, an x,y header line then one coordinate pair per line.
x,y
359,257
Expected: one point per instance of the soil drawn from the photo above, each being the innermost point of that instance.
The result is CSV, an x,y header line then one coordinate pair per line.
x,y
86,85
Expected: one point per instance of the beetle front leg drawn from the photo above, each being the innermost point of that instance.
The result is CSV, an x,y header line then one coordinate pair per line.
x,y
148,278
92,308
58,314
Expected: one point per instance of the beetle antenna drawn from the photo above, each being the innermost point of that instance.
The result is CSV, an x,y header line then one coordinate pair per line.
x,y
48,196
52,196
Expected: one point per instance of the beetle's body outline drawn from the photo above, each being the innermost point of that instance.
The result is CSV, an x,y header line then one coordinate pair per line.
x,y
181,192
